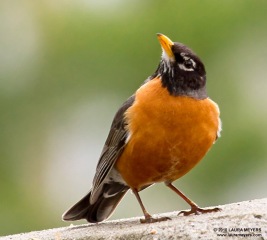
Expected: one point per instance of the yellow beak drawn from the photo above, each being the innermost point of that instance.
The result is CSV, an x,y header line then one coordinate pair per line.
x,y
166,45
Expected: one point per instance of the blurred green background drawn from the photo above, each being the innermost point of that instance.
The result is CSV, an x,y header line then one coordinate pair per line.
x,y
65,68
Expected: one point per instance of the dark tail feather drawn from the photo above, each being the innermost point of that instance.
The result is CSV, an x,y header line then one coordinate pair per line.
x,y
79,210
96,212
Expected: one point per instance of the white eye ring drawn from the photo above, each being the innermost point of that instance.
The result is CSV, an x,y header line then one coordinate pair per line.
x,y
187,60
183,67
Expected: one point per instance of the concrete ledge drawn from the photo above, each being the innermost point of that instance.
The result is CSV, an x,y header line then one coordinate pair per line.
x,y
247,220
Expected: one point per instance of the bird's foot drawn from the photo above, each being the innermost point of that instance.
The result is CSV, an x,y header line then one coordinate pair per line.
x,y
150,219
197,210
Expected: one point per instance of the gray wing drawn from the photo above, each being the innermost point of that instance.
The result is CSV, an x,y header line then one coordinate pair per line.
x,y
112,149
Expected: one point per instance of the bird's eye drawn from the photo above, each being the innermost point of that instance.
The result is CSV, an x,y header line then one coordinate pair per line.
x,y
188,64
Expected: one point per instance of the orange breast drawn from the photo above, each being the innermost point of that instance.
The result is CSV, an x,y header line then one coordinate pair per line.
x,y
168,135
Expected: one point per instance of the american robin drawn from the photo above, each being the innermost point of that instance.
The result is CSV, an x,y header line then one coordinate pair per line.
x,y
158,135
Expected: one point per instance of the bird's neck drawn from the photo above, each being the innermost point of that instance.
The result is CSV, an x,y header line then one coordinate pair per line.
x,y
181,84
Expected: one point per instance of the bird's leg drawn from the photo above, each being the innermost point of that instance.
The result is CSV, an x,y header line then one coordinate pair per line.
x,y
148,217
195,209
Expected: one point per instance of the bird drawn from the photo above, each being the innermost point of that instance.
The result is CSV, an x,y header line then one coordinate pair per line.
x,y
157,136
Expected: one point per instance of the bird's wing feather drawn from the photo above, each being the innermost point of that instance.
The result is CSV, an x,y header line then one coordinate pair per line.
x,y
112,149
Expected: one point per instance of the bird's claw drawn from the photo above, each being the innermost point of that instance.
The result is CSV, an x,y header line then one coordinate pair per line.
x,y
153,220
197,211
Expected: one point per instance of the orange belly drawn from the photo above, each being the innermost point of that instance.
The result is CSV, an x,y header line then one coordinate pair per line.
x,y
168,135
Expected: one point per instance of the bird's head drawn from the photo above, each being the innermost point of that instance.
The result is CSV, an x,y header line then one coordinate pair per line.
x,y
180,69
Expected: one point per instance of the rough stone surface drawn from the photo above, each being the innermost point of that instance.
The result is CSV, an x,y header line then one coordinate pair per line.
x,y
248,220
